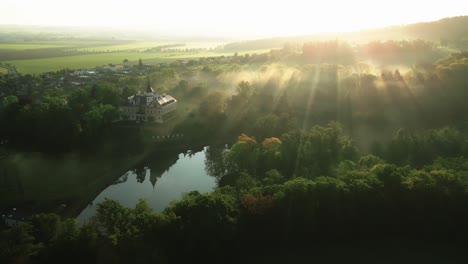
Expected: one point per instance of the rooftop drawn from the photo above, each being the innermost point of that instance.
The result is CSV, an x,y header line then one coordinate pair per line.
x,y
150,99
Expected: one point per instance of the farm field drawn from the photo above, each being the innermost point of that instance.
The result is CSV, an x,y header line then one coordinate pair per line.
x,y
26,46
201,45
89,54
90,61
136,46
77,62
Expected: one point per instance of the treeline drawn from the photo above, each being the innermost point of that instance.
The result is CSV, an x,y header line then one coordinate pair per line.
x,y
328,52
401,52
164,47
303,191
42,53
59,122
321,151
450,32
255,44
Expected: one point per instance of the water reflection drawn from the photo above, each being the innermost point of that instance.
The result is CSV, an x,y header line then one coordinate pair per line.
x,y
77,182
161,178
122,179
140,173
214,161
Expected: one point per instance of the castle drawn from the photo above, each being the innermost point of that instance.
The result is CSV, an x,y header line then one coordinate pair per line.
x,y
149,107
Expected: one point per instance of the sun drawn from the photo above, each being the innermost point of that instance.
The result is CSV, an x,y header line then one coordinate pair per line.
x,y
247,18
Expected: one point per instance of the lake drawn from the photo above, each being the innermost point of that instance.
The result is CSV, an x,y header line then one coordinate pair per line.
x,y
159,189
72,185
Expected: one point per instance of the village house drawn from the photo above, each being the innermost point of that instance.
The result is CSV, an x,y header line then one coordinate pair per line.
x,y
149,107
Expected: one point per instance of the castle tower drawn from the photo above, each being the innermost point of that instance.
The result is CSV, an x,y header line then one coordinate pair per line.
x,y
149,89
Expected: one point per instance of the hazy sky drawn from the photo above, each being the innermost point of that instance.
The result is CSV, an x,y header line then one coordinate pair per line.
x,y
229,18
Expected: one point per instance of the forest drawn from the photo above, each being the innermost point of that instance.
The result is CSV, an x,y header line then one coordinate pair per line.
x,y
332,144
302,191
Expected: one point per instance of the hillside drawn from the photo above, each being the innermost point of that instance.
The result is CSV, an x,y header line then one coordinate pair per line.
x,y
448,32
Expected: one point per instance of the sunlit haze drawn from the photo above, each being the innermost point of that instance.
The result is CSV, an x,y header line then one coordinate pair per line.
x,y
229,18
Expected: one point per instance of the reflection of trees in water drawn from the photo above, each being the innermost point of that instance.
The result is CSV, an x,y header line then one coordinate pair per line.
x,y
189,153
214,161
122,179
140,172
158,163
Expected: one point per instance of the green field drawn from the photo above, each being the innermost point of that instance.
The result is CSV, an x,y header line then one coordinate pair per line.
x,y
37,66
90,61
26,46
76,62
139,46
201,45
99,53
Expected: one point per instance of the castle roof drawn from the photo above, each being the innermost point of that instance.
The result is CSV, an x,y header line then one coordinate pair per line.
x,y
151,100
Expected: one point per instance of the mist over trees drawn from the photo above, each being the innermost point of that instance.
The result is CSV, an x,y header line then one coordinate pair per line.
x,y
330,142
448,32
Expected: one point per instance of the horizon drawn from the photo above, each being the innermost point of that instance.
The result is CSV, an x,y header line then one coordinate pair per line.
x,y
208,19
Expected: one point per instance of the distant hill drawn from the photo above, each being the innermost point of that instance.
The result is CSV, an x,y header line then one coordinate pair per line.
x,y
448,31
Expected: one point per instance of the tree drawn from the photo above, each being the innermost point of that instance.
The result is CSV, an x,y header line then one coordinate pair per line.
x,y
389,175
243,156
270,154
244,90
256,205
80,102
98,118
9,100
273,177
46,227
210,218
214,161
213,105
127,92
105,93
369,161
267,126
17,244
182,87
244,182
316,152
115,219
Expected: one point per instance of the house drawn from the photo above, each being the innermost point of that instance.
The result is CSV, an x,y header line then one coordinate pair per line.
x,y
149,107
